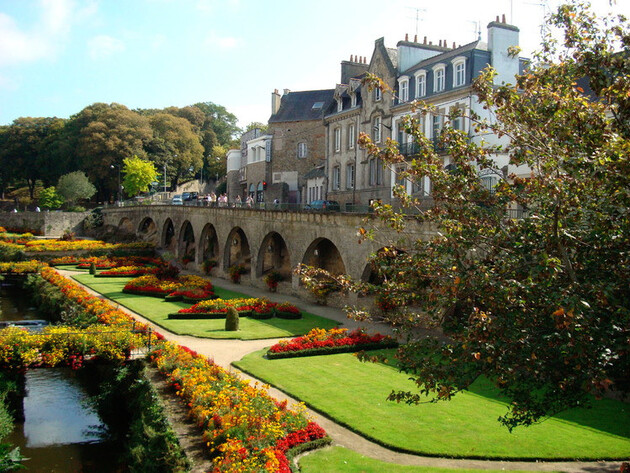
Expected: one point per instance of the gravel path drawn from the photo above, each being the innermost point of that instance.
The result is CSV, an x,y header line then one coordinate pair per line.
x,y
224,352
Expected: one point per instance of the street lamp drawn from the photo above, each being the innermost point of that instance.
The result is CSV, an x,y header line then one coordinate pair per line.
x,y
119,187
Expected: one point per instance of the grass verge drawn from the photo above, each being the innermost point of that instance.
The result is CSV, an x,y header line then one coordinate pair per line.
x,y
354,394
157,309
343,460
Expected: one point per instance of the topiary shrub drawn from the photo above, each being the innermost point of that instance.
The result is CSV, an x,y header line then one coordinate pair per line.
x,y
92,268
231,320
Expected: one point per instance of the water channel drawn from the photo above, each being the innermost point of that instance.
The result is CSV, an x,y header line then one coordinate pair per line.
x,y
61,431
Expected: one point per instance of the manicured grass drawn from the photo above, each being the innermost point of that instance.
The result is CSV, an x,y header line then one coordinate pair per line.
x,y
157,310
354,394
343,460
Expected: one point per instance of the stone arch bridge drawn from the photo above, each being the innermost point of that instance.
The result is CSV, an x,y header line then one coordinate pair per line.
x,y
261,240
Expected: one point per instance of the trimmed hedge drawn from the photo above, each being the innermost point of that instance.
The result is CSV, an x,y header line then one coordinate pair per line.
x,y
260,316
288,315
332,350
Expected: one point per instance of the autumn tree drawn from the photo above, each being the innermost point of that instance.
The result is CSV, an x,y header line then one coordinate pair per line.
x,y
139,174
540,304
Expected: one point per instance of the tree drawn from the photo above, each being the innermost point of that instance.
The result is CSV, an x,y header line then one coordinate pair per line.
x,y
220,125
75,186
176,144
253,125
139,174
49,198
102,135
541,304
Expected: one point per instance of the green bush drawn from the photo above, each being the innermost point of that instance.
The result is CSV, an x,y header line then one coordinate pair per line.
x,y
232,320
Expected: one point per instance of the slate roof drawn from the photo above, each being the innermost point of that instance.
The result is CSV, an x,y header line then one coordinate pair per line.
x,y
315,173
298,106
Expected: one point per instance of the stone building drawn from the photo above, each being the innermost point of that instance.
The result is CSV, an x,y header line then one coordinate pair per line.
x,y
437,74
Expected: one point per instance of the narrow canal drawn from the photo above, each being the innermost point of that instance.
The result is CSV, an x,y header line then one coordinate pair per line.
x,y
61,431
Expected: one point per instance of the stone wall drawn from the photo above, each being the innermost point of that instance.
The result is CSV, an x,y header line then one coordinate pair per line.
x,y
52,224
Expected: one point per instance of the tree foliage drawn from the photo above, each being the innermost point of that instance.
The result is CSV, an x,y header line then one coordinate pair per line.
x,y
540,304
75,186
49,198
139,174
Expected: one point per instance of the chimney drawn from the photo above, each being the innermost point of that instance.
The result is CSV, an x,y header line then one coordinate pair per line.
x,y
275,102
503,18
406,36
454,45
501,37
415,38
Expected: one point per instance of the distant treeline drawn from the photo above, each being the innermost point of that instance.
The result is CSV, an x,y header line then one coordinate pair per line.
x,y
189,141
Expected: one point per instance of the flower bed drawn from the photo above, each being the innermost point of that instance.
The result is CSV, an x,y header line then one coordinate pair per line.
x,y
151,285
287,311
217,308
324,342
125,271
244,428
62,245
23,267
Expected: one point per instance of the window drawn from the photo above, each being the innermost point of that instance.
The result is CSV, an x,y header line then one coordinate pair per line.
x,y
339,104
489,182
336,178
301,150
437,126
337,139
421,84
259,193
350,176
378,95
376,172
403,89
418,186
318,105
351,137
353,100
438,78
400,179
459,71
377,130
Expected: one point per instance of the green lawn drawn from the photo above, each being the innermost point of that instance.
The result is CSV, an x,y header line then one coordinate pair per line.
x,y
354,394
157,310
343,460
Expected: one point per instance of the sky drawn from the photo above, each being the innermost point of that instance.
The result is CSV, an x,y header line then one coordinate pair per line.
x,y
59,56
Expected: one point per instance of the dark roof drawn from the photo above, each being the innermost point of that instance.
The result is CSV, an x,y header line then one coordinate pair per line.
x,y
299,106
315,173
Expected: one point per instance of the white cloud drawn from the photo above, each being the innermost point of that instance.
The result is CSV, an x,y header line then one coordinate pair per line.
x,y
222,42
44,38
103,46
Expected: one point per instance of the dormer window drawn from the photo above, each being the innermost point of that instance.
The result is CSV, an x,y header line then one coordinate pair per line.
x,y
439,78
353,100
459,71
403,89
421,83
339,104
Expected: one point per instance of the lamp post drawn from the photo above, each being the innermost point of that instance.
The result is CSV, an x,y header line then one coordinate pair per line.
x,y
119,188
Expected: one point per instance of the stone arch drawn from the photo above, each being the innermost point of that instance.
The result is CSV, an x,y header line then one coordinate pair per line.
x,y
370,274
237,250
322,253
126,226
186,246
208,244
273,256
147,230
168,241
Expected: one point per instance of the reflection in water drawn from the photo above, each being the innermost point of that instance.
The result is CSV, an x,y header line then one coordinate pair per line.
x,y
61,432
55,412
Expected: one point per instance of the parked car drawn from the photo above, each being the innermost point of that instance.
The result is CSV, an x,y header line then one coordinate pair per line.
x,y
188,196
177,200
325,205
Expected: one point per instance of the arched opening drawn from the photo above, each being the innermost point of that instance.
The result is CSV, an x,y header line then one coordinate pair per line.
x,y
237,250
187,248
168,234
147,230
274,256
380,264
252,191
322,253
209,244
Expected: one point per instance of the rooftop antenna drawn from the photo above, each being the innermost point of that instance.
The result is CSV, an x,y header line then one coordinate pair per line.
x,y
546,10
418,19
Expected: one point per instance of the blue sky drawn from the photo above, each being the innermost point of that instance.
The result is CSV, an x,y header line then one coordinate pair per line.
x,y
58,56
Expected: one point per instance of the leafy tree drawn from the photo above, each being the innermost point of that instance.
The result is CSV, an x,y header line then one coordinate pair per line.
x,y
139,174
28,150
541,304
102,135
253,125
220,126
75,186
176,144
49,198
